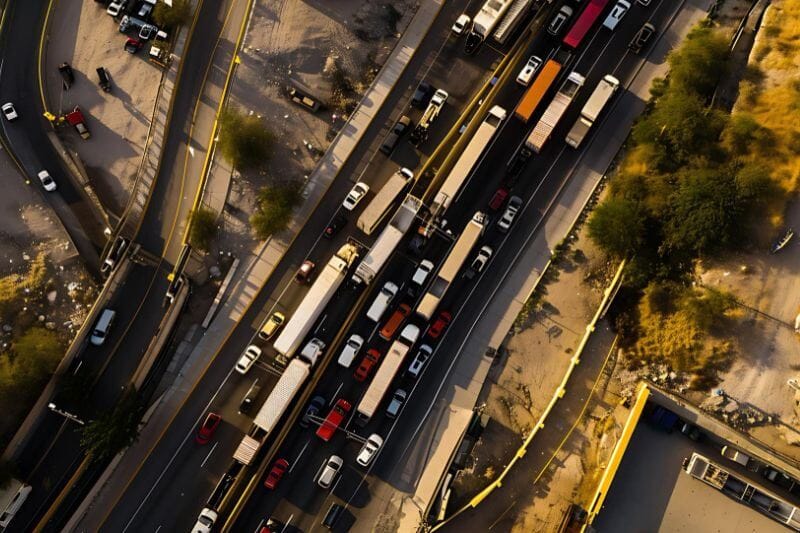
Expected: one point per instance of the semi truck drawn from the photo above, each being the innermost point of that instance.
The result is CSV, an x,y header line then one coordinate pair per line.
x,y
594,106
286,389
535,93
388,240
552,115
467,160
455,260
386,372
484,23
315,300
380,204
12,496
515,15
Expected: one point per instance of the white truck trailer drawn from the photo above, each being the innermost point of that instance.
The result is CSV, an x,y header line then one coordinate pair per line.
x,y
552,115
318,296
594,106
485,22
455,260
466,162
380,204
515,15
286,389
388,240
386,372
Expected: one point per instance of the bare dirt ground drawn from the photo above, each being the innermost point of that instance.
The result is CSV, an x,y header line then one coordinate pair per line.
x,y
83,34
59,299
332,53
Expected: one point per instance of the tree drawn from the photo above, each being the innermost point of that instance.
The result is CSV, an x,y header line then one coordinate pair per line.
x,y
618,226
244,140
753,184
699,63
274,207
202,228
172,16
36,354
743,134
115,429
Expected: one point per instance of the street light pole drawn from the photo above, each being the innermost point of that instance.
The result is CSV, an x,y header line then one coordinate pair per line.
x,y
65,414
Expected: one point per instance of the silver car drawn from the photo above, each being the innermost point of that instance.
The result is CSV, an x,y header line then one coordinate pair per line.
x,y
423,354
330,469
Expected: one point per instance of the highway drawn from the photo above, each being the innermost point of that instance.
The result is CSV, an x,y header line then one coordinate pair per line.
x,y
52,451
298,500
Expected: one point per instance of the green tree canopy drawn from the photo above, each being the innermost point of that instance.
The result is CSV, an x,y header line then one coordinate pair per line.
x,y
202,228
699,63
274,207
244,140
115,429
172,16
618,226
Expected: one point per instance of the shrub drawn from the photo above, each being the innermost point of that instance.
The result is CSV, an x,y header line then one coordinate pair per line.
x,y
617,225
244,140
274,207
114,430
202,228
172,16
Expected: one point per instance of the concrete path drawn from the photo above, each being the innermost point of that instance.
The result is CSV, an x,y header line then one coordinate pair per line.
x,y
254,270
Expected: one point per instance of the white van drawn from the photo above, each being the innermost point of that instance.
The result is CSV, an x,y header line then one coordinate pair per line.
x,y
382,301
102,327
11,499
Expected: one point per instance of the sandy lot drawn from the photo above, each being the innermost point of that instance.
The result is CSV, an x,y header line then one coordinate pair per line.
x,y
85,36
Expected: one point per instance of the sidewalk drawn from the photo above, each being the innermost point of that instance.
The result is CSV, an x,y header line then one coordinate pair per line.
x,y
493,321
256,268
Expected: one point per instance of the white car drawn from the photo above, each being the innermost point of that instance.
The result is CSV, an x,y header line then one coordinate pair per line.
x,y
330,470
423,271
643,2
350,350
248,359
116,7
423,354
617,12
47,180
9,112
513,207
461,22
205,521
356,194
370,448
526,74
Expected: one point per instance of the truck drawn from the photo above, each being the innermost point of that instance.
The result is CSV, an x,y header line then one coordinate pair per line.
x,y
515,15
552,115
76,119
387,241
12,496
386,372
701,468
67,76
594,106
420,132
455,260
484,23
586,20
379,206
535,93
286,389
468,160
314,302
735,455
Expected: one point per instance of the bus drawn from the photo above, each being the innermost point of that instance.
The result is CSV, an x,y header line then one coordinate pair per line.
x,y
533,96
584,23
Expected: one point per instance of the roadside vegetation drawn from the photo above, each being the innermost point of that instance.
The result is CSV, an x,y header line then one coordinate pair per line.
x,y
274,207
172,16
202,228
695,182
244,140
113,430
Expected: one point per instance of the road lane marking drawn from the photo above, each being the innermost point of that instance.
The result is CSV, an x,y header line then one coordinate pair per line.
x,y
297,460
336,393
209,454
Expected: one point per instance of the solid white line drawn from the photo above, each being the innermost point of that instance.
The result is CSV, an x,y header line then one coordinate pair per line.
x,y
338,479
297,459
209,454
158,528
333,398
324,318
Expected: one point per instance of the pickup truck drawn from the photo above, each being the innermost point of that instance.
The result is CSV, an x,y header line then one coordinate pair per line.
x,y
735,455
331,423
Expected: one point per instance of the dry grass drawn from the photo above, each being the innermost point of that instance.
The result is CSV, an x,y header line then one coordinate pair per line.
x,y
15,287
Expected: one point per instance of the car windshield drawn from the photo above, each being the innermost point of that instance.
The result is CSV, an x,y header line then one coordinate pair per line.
x,y
206,521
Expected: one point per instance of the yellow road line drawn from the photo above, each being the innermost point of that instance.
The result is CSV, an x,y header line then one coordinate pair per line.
x,y
39,64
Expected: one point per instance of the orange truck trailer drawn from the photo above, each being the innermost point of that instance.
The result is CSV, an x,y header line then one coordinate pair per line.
x,y
533,96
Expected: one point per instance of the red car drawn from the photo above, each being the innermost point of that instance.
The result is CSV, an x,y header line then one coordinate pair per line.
x,y
304,272
442,321
498,199
276,473
208,428
331,423
366,365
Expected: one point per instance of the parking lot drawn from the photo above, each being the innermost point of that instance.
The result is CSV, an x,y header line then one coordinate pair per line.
x,y
84,35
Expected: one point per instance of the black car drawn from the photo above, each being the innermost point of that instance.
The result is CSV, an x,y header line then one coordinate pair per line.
x,y
249,399
399,129
313,409
422,95
517,165
642,37
67,75
333,228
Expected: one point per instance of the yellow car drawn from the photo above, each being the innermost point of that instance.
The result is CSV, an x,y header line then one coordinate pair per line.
x,y
272,325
